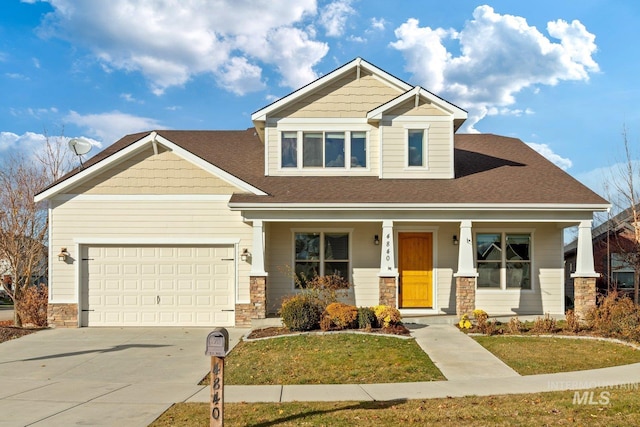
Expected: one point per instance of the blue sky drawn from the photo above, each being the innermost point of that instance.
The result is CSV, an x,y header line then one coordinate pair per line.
x,y
560,75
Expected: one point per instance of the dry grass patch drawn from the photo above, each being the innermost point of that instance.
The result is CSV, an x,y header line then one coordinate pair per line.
x,y
329,359
538,409
541,355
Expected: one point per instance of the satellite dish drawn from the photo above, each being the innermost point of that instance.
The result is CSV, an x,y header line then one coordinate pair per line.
x,y
79,146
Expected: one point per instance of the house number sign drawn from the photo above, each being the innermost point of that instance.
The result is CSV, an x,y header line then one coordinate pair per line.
x,y
217,348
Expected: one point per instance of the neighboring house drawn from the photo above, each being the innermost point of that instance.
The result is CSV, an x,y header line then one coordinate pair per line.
x,y
614,251
358,174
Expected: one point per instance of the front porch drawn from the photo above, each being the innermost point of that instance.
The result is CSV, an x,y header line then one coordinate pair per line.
x,y
373,255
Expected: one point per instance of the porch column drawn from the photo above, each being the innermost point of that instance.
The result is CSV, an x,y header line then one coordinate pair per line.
x,y
584,278
257,257
467,273
388,275
387,254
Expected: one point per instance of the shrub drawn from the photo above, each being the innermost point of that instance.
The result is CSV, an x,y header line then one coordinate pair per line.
x,y
339,316
387,316
515,326
327,288
573,323
546,325
366,318
615,316
464,322
301,312
482,322
32,306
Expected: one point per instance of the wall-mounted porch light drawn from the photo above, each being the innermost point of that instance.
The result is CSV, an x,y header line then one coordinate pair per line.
x,y
455,239
244,256
63,255
376,240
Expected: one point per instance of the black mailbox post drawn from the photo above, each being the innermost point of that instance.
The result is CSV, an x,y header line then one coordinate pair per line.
x,y
217,348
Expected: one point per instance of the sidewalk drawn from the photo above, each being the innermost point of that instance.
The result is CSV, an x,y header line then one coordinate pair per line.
x,y
468,367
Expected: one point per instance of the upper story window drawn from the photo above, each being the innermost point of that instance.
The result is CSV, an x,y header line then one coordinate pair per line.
x,y
330,149
416,147
503,260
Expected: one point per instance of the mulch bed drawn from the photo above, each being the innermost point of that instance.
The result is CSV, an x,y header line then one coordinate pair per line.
x,y
10,332
279,331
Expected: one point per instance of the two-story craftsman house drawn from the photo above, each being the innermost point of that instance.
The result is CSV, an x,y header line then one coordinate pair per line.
x,y
358,174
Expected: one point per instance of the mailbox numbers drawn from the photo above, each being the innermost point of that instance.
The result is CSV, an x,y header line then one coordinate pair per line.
x,y
216,381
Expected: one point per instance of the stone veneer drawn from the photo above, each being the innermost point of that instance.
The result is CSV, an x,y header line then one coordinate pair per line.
x,y
388,291
62,315
584,291
257,308
465,295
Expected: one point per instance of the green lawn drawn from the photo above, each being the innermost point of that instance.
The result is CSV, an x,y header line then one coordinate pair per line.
x,y
329,359
539,409
538,355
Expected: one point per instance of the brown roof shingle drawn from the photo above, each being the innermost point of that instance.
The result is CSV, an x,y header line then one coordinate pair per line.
x,y
488,169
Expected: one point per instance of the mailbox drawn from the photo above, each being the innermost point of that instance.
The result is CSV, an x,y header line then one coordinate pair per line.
x,y
217,343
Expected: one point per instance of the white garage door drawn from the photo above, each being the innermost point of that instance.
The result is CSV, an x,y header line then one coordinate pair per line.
x,y
158,286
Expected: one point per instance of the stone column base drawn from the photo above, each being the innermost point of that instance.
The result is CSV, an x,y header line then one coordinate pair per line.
x,y
584,291
62,315
388,288
465,295
257,308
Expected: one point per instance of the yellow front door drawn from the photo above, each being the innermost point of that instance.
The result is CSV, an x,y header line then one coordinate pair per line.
x,y
415,265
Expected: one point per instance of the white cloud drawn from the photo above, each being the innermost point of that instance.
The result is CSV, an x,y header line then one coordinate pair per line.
x,y
334,17
500,55
16,76
110,127
31,144
240,77
129,98
546,151
171,41
356,39
378,24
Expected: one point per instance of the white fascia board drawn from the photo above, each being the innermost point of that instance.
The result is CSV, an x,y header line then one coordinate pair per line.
x,y
261,115
103,164
144,197
457,113
209,167
418,206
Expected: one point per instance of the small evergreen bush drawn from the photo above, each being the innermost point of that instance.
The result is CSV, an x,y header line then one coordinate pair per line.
x,y
301,312
366,318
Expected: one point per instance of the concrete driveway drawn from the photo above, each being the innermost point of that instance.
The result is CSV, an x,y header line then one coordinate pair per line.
x,y
100,376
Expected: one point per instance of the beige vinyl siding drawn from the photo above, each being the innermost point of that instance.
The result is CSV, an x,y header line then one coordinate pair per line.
x,y
346,97
148,173
547,276
439,150
423,109
365,260
165,221
373,153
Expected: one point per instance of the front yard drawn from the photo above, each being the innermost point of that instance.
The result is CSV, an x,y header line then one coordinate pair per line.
x,y
543,355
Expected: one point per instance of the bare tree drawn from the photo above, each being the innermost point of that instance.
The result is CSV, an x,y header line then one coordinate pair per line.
x,y
626,240
23,226
24,223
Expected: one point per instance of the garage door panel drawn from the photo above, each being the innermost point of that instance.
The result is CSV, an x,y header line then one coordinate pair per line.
x,y
171,286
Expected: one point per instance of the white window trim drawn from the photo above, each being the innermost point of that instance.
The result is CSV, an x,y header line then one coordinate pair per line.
x,y
347,129
425,145
503,269
321,261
